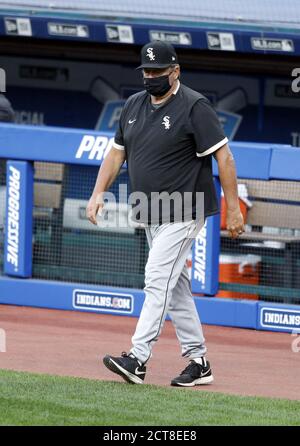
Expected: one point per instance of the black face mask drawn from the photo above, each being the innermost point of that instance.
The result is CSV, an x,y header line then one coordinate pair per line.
x,y
157,86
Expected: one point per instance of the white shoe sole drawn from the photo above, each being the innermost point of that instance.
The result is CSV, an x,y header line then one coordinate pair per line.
x,y
196,382
128,376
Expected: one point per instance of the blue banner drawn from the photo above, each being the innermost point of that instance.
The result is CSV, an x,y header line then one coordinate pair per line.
x,y
18,233
54,144
276,317
213,35
116,301
88,147
205,255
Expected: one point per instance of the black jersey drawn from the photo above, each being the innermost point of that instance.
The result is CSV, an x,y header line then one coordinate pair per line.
x,y
168,149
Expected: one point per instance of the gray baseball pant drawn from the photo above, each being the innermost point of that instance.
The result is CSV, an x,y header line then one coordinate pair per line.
x,y
168,290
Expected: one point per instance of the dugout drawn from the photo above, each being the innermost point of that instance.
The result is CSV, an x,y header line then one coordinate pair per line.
x,y
74,67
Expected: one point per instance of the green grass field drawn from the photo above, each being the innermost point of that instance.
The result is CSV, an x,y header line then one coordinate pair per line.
x,y
33,399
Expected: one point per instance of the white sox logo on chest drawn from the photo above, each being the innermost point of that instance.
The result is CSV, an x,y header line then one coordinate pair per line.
x,y
166,122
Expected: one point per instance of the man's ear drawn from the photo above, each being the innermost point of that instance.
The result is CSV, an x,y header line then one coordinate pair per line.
x,y
176,70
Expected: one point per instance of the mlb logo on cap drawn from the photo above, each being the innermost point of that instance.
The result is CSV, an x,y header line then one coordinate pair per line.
x,y
158,55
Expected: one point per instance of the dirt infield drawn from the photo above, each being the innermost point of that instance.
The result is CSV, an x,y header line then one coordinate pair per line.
x,y
244,362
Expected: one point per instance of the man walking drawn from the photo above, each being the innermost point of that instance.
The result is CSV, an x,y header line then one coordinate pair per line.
x,y
168,134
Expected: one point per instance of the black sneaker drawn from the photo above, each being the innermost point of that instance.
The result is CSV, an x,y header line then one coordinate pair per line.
x,y
127,366
194,374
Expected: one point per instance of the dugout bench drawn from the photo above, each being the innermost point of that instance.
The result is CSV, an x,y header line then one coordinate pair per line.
x,y
48,207
273,228
68,247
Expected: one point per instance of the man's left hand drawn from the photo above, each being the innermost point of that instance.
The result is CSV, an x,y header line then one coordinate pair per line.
x,y
235,223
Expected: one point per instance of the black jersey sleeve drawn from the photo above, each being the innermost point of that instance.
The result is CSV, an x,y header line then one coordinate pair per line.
x,y
206,128
119,135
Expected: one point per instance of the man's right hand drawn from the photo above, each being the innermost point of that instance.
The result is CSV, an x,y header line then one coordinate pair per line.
x,y
92,209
